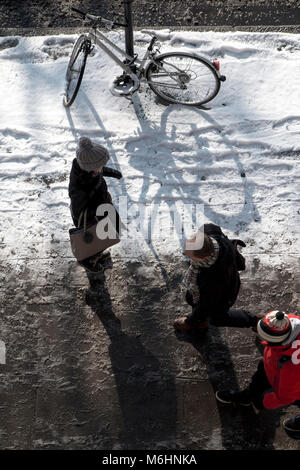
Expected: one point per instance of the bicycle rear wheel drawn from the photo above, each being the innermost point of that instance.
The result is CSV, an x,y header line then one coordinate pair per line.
x,y
76,68
183,78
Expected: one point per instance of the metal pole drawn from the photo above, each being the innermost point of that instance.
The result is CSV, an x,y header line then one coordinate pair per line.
x,y
129,28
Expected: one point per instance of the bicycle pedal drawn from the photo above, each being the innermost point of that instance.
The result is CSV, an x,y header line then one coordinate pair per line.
x,y
125,85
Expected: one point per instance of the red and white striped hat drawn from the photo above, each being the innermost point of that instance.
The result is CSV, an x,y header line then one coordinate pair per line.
x,y
275,327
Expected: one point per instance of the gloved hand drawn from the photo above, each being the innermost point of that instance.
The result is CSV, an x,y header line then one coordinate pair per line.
x,y
240,260
236,242
112,173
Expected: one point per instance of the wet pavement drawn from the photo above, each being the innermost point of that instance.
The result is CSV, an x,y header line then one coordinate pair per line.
x,y
93,362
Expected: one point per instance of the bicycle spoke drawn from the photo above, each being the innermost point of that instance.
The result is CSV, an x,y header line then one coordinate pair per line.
x,y
183,78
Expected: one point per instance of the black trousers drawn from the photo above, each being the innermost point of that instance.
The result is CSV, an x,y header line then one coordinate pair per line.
x,y
259,386
238,318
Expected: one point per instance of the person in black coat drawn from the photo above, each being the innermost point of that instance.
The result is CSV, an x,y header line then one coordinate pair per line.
x,y
88,188
213,282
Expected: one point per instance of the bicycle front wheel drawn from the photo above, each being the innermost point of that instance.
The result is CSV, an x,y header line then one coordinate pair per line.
x,y
76,68
183,78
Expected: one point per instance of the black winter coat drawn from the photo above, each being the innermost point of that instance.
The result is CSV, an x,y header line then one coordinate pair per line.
x,y
220,283
81,184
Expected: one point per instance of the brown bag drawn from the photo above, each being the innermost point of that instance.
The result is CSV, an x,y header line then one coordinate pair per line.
x,y
85,241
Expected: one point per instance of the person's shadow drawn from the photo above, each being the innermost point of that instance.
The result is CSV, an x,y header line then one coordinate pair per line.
x,y
241,428
145,388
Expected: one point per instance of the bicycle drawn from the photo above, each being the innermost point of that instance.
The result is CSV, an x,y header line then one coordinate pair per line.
x,y
176,77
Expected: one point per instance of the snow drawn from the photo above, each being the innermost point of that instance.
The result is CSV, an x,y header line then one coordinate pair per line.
x,y
240,157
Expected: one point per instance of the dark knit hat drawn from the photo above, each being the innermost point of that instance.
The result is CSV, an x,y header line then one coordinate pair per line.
x,y
91,155
274,327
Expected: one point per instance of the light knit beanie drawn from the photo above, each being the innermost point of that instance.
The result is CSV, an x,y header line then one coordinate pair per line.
x,y
274,327
91,155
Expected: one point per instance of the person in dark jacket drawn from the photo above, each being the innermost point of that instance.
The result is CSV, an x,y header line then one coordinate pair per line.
x,y
213,282
276,382
88,188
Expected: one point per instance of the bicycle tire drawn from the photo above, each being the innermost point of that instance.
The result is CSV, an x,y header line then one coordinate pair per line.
x,y
198,86
74,76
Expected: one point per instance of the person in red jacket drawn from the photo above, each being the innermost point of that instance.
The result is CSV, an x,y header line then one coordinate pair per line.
x,y
276,381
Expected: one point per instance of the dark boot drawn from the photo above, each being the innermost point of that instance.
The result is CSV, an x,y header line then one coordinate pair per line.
x,y
292,425
183,324
234,397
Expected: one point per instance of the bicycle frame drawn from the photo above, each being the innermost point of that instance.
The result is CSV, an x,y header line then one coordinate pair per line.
x,y
128,65
97,37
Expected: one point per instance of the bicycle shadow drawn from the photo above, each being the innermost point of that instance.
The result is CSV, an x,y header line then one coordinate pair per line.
x,y
172,185
146,390
238,221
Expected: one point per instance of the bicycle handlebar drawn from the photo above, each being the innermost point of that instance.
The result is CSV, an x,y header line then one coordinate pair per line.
x,y
97,18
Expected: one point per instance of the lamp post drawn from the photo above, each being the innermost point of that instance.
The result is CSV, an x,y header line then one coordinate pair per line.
x,y
129,27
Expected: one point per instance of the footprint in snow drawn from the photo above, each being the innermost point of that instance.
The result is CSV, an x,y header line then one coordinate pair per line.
x,y
290,123
57,47
7,43
58,42
13,134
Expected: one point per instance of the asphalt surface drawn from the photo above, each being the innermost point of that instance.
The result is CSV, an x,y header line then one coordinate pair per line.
x,y
93,362
254,14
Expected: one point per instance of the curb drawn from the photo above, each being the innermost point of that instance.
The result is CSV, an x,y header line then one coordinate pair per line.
x,y
294,29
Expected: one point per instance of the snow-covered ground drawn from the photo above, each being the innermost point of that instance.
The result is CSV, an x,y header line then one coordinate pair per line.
x,y
240,158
